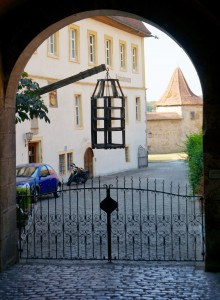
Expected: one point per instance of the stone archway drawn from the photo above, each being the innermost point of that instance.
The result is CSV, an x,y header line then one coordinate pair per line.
x,y
23,33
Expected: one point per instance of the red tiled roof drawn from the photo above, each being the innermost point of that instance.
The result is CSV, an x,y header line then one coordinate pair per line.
x,y
178,92
133,23
130,25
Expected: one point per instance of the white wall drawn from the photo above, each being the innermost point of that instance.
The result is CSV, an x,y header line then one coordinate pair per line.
x,y
61,134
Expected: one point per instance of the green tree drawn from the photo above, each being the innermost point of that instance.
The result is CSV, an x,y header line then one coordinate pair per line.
x,y
29,103
194,151
151,106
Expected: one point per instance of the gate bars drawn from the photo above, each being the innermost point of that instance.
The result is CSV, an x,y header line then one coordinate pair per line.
x,y
128,219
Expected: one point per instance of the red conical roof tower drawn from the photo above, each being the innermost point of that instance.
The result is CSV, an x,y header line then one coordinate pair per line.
x,y
178,92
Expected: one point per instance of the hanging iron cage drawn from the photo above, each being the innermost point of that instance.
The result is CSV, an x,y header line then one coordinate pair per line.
x,y
108,115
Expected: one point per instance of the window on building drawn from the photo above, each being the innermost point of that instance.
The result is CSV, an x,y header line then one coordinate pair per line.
x,y
108,51
74,43
69,160
34,125
192,115
65,159
53,45
127,154
134,59
78,111
92,47
138,109
122,55
62,164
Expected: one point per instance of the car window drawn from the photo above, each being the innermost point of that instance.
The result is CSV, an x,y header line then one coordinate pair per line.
x,y
44,171
51,170
26,171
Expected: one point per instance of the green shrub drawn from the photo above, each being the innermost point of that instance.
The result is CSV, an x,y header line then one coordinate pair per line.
x,y
23,199
194,150
23,196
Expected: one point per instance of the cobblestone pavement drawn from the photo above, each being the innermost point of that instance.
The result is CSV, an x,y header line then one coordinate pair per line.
x,y
104,280
85,280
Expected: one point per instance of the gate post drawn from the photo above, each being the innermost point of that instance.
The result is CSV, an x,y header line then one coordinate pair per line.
x,y
109,205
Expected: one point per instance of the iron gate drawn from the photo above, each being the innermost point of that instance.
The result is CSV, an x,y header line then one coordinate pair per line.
x,y
147,221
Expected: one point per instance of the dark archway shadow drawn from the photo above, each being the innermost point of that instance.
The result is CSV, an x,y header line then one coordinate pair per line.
x,y
31,23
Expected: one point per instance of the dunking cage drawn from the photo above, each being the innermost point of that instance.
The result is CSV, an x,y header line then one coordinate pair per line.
x,y
108,114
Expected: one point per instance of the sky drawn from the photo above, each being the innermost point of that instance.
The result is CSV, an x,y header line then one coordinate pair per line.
x,y
162,57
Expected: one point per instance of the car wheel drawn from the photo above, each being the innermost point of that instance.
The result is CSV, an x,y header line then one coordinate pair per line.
x,y
36,195
58,191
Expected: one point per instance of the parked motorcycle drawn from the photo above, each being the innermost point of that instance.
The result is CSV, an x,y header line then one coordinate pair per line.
x,y
78,175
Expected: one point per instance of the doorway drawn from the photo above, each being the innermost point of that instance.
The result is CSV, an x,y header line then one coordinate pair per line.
x,y
32,152
88,161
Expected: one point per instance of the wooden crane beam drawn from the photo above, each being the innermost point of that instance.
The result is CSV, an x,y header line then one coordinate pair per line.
x,y
56,85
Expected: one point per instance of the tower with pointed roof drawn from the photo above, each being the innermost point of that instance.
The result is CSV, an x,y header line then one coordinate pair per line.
x,y
178,113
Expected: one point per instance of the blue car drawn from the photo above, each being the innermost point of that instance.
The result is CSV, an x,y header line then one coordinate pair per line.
x,y
39,177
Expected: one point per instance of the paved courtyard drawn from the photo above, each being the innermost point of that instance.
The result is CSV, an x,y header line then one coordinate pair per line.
x,y
102,281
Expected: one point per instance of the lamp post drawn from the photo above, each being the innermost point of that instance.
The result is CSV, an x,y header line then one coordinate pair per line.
x,y
28,137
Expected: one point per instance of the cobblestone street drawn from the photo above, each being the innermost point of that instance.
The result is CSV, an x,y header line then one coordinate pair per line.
x,y
103,281
67,279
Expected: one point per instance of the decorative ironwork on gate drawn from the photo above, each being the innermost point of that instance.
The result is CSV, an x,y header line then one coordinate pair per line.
x,y
147,220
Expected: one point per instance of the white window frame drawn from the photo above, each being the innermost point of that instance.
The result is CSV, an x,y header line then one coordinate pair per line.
x,y
74,43
108,51
78,110
123,56
138,109
92,38
134,52
53,47
65,159
69,160
62,164
51,44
